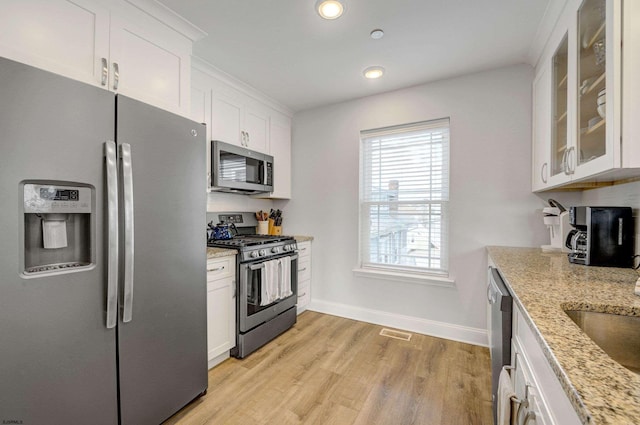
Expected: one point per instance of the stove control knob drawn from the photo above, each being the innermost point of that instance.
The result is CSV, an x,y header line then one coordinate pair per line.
x,y
262,253
285,247
253,254
274,249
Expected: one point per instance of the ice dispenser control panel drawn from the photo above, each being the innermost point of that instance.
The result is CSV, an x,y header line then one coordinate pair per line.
x,y
58,228
56,199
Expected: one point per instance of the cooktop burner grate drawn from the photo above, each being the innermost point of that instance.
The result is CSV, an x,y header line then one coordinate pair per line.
x,y
243,241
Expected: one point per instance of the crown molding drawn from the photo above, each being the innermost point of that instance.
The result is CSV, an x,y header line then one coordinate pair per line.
x,y
170,18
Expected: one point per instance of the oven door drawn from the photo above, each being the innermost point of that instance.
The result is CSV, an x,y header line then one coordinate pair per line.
x,y
251,312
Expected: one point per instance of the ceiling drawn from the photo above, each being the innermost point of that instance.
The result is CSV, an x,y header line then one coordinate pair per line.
x,y
286,51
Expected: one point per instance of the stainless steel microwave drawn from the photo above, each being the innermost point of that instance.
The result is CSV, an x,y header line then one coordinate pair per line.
x,y
239,170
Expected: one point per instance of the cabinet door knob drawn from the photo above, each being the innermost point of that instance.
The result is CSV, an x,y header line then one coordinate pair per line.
x,y
116,75
105,72
565,166
571,163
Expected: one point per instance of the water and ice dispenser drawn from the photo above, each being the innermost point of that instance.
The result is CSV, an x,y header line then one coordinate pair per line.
x,y
58,228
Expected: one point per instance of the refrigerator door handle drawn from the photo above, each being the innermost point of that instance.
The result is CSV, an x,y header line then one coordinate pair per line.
x,y
127,192
112,220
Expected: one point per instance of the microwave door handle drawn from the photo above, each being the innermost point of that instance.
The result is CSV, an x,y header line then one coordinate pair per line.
x,y
264,172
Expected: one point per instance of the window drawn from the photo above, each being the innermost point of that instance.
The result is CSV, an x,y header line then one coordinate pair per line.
x,y
404,194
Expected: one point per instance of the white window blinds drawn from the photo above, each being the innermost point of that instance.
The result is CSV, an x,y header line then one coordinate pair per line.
x,y
404,193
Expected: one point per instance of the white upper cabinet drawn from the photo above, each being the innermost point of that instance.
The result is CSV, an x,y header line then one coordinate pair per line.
x,y
541,128
237,119
226,119
201,112
62,36
280,149
631,83
234,114
109,44
256,128
579,137
150,62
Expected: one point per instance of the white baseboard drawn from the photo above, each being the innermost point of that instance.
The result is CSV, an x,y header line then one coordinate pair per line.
x,y
218,359
475,336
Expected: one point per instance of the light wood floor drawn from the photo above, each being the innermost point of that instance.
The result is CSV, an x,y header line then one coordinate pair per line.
x,y
331,370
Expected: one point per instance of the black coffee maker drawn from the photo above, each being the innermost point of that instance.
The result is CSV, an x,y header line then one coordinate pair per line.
x,y
603,236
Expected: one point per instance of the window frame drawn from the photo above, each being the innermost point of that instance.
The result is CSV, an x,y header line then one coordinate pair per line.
x,y
439,276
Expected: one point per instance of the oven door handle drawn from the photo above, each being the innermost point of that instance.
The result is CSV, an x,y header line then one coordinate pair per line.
x,y
258,266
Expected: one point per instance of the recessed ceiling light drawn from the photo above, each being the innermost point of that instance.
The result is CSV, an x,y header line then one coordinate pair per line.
x,y
330,9
377,34
373,72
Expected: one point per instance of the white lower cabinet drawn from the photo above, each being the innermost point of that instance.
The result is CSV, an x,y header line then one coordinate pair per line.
x,y
304,275
221,308
544,401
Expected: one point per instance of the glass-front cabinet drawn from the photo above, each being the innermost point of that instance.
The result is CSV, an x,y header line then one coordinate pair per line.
x,y
591,83
559,103
579,136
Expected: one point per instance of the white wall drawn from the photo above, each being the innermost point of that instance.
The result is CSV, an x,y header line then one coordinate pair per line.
x,y
491,201
223,202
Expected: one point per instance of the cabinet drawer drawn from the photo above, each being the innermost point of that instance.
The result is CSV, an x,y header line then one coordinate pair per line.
x,y
304,249
304,269
551,397
304,293
218,268
304,288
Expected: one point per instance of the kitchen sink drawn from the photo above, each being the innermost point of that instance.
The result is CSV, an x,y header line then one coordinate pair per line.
x,y
617,335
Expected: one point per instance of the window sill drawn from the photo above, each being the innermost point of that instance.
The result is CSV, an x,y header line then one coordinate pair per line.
x,y
423,279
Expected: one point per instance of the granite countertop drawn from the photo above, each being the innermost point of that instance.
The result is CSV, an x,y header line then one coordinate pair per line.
x,y
219,252
543,286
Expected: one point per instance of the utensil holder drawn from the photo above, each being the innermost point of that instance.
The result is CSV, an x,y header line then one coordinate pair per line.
x,y
262,228
271,223
276,230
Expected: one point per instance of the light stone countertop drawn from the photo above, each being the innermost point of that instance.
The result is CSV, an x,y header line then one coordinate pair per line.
x,y
543,286
219,252
300,238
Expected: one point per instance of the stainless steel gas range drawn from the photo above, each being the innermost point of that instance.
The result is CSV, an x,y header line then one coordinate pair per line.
x,y
266,280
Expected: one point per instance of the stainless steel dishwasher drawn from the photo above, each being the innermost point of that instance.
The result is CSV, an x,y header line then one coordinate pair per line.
x,y
499,328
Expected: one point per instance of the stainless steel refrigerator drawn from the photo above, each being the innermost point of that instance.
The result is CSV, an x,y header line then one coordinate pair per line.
x,y
102,255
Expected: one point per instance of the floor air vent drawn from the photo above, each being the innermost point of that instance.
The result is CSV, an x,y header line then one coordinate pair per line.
x,y
405,336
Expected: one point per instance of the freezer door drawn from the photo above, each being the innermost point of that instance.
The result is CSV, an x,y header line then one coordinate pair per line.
x,y
57,356
162,339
